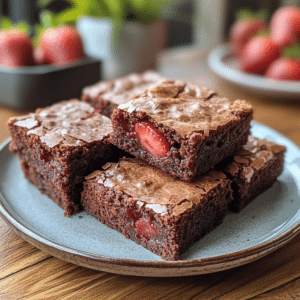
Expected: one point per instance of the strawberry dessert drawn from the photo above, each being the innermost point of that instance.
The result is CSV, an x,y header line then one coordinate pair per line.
x,y
181,128
158,211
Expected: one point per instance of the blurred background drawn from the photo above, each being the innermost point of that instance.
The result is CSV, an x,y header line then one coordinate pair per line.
x,y
188,21
126,36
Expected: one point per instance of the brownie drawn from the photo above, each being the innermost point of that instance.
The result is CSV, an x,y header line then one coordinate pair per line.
x,y
181,128
105,96
158,211
58,146
60,196
253,170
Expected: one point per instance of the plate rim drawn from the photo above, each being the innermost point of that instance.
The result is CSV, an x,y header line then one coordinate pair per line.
x,y
178,267
216,63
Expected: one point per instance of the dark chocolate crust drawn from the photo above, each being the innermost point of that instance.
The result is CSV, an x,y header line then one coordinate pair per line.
x,y
105,96
253,170
200,127
63,143
159,212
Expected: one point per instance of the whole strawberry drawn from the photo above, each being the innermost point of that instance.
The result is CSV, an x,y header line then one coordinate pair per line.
x,y
285,26
244,28
258,54
15,48
62,45
286,67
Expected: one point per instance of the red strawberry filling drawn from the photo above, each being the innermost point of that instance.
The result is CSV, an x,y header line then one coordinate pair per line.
x,y
151,139
145,228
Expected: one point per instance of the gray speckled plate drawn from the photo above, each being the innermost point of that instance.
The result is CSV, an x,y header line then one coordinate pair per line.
x,y
263,226
222,61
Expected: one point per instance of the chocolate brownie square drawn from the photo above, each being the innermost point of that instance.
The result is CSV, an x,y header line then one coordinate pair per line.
x,y
253,170
158,211
58,146
181,128
105,96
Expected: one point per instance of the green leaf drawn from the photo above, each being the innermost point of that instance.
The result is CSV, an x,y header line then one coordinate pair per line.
x,y
292,51
147,11
6,23
98,9
116,9
38,31
47,19
263,14
23,26
68,16
248,13
144,11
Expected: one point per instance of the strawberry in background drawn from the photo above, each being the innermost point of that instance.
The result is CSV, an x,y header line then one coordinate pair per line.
x,y
61,45
286,67
244,28
285,26
39,56
258,54
15,48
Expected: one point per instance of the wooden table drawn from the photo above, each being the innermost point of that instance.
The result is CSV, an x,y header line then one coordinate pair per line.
x,y
28,273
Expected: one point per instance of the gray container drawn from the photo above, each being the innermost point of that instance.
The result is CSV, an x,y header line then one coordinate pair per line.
x,y
27,88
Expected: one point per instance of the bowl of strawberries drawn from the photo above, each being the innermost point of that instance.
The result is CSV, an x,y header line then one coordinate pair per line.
x,y
56,70
261,56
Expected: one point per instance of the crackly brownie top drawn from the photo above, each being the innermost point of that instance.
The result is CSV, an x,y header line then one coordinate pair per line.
x,y
253,156
186,107
70,123
153,188
123,89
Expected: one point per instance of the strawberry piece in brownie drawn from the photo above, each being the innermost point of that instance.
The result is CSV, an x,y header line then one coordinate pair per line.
x,y
181,128
152,140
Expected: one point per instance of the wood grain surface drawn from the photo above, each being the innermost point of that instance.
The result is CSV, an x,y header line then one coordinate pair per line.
x,y
28,273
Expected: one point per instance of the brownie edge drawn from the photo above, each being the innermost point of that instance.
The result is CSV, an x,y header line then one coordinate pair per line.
x,y
159,212
253,170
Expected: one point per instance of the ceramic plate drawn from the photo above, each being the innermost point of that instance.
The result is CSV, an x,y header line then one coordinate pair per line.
x,y
263,226
222,61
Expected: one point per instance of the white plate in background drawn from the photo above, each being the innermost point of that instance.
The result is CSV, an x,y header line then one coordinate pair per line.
x,y
222,62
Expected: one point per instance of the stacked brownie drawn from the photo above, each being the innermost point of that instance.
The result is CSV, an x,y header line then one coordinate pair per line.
x,y
190,158
186,141
181,128
58,146
105,96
